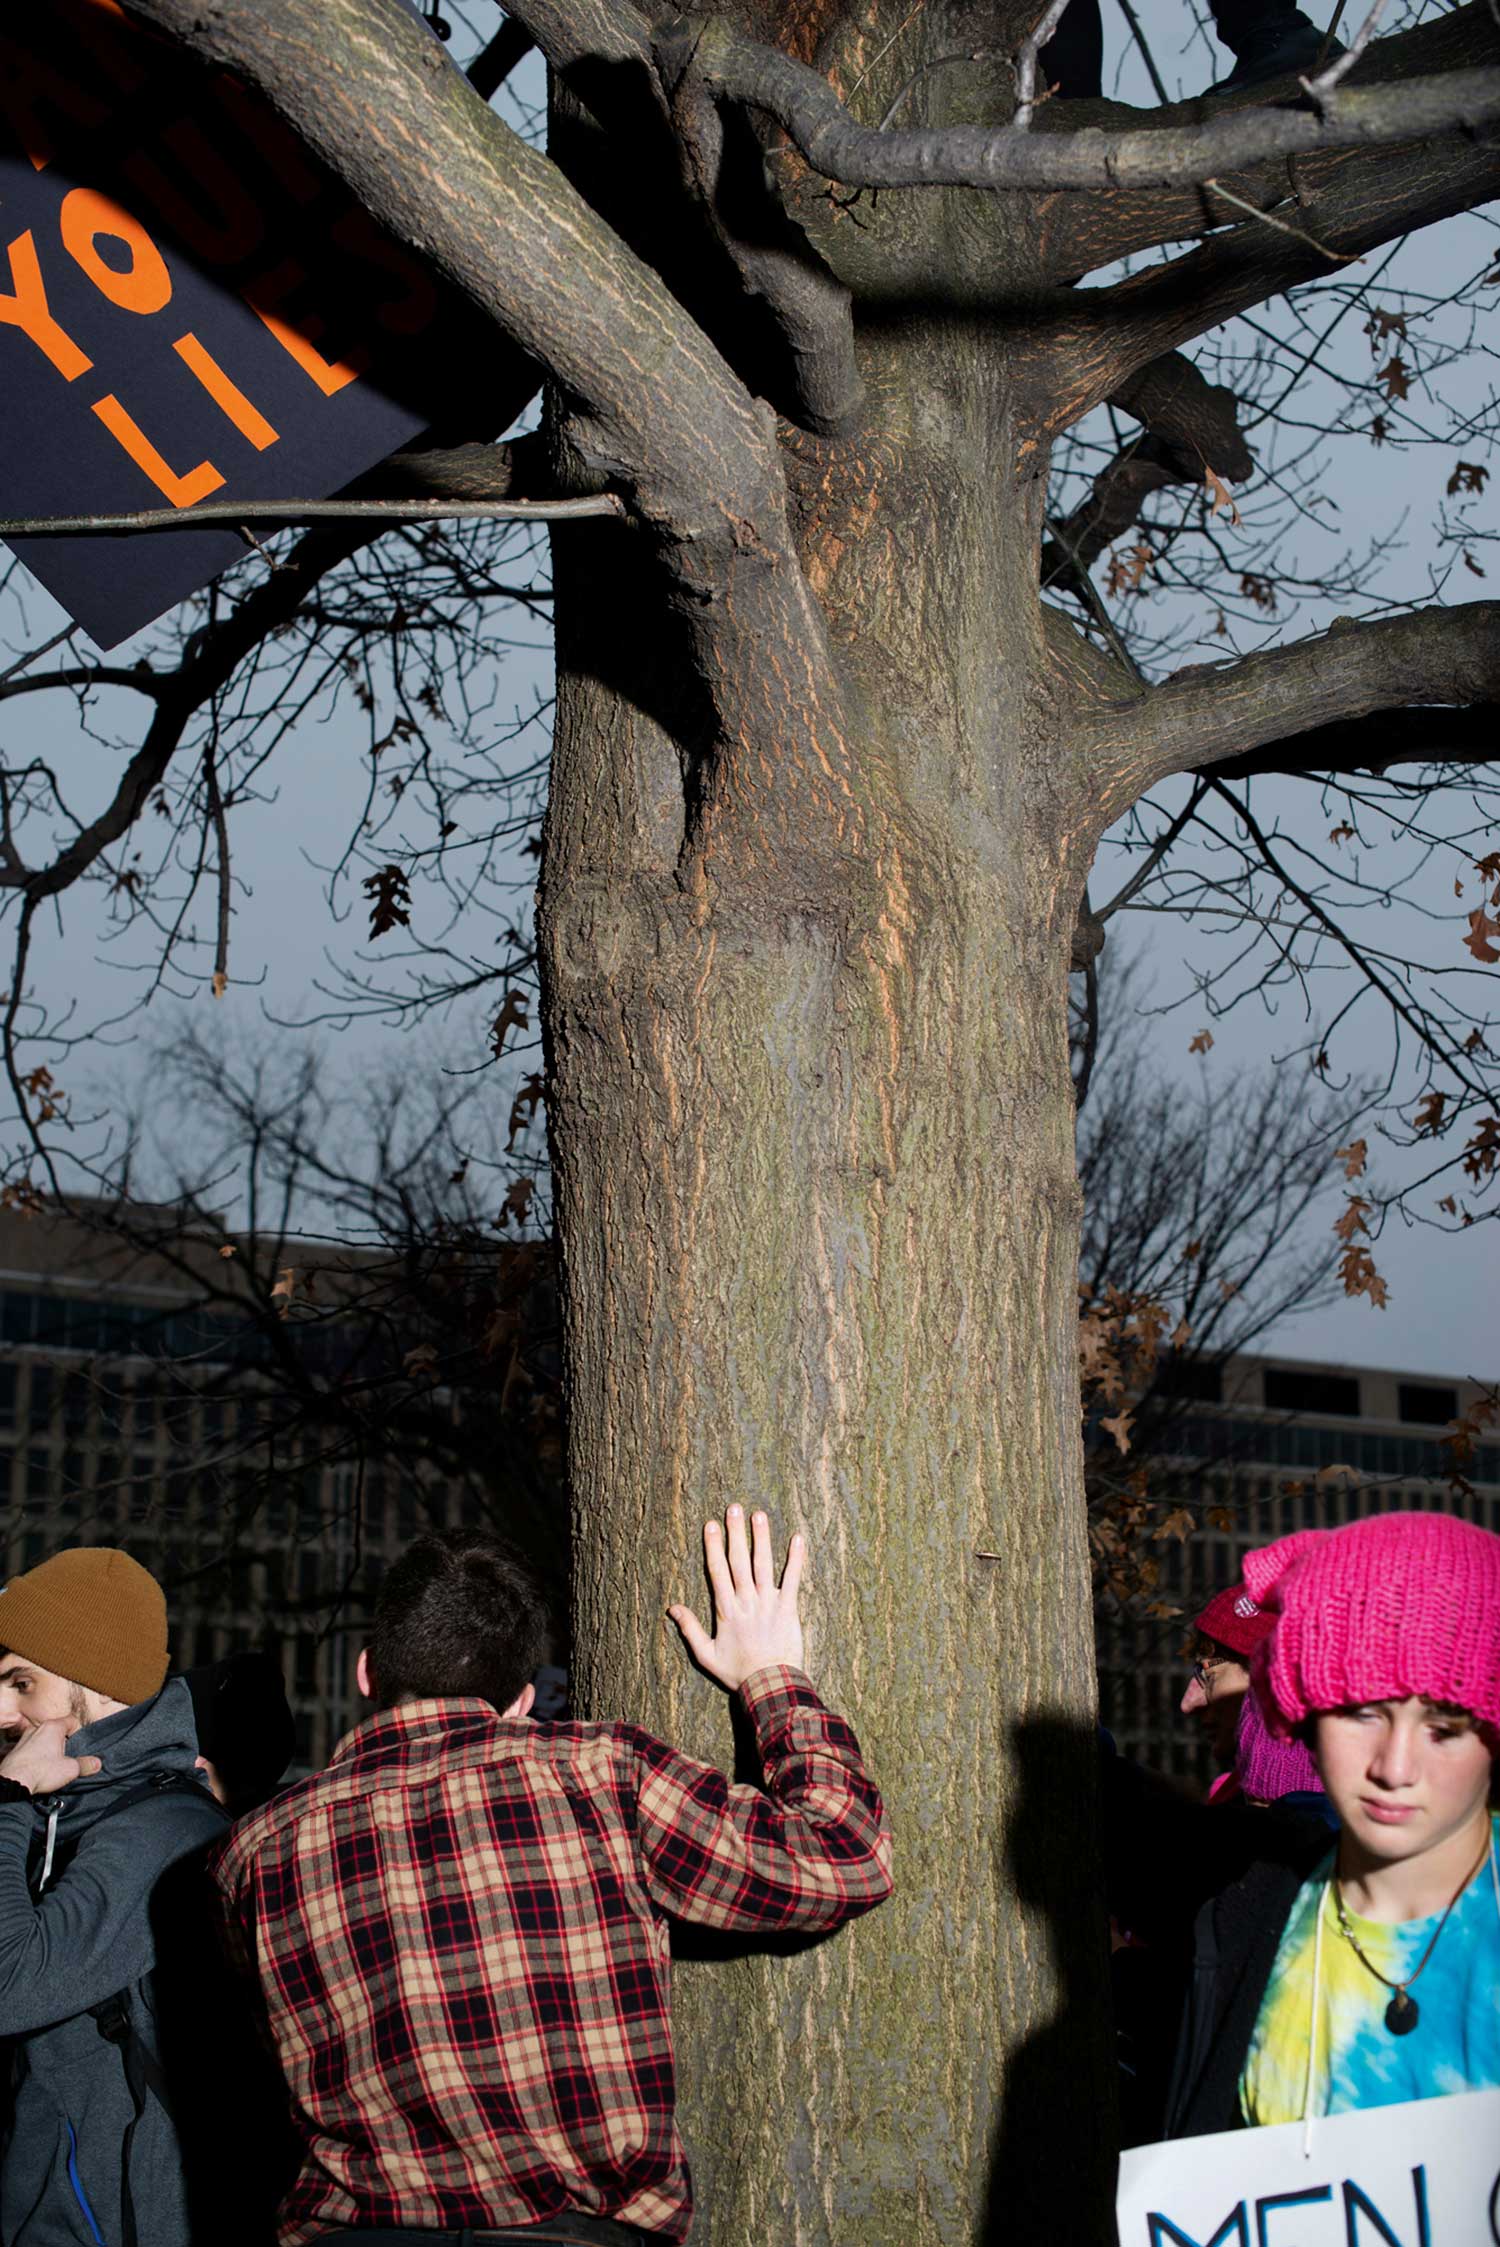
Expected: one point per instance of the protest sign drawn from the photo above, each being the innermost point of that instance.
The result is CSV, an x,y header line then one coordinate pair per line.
x,y
1424,2174
189,307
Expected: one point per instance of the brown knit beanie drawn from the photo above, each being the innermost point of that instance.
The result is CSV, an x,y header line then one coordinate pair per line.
x,y
92,1615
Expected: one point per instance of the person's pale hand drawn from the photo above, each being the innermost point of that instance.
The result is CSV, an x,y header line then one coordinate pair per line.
x,y
40,1760
756,1623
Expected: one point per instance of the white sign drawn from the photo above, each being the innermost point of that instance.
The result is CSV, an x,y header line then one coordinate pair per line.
x,y
1424,2174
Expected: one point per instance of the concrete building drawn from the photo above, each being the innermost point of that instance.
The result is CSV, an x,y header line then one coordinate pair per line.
x,y
1277,1444
133,1413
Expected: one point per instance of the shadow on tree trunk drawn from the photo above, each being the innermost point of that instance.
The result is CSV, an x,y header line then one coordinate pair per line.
x,y
1052,2168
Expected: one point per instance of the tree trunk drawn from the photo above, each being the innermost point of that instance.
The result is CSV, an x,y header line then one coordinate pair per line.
x,y
818,1208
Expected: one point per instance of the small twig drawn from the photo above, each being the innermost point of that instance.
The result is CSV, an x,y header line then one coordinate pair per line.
x,y
1026,63
1139,36
1318,88
1297,233
221,841
233,512
1330,34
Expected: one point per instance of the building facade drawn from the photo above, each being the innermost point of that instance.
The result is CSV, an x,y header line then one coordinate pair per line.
x,y
131,1415
1273,1445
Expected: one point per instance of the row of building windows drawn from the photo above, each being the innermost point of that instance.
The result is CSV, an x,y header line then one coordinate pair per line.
x,y
1295,1444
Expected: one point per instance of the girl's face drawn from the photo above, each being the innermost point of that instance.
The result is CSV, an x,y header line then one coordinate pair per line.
x,y
1404,1776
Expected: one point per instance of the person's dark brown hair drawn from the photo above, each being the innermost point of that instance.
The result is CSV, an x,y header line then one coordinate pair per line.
x,y
458,1614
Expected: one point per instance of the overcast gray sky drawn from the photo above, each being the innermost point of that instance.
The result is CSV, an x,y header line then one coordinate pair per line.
x,y
1441,1317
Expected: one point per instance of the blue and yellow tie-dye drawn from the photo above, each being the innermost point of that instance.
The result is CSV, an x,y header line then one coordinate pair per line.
x,y
1455,2045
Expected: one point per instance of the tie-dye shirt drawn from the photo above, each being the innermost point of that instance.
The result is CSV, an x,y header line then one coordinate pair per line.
x,y
1455,2045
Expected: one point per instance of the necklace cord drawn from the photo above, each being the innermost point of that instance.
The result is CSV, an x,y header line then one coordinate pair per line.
x,y
1317,1974
1406,1981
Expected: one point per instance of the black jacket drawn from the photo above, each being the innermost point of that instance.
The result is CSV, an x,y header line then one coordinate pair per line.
x,y
1235,1940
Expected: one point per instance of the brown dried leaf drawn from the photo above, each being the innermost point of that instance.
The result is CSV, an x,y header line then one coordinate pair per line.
x,y
1202,1042
390,900
1358,1273
1219,500
1395,377
513,1015
1481,937
1352,1219
1468,476
1353,1157
1119,1428
1429,1115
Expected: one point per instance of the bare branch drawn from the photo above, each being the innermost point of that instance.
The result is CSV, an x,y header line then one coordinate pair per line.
x,y
1202,717
1026,63
854,155
317,511
1318,89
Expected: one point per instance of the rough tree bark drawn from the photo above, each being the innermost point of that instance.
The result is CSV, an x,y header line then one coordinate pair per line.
x,y
829,774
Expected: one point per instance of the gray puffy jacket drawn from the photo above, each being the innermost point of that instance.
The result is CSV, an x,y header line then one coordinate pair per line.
x,y
124,1896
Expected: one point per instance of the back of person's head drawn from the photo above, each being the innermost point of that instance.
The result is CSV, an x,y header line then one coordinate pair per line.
x,y
93,1615
459,1614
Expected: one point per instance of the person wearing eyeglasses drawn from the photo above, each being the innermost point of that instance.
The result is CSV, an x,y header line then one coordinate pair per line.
x,y
1361,1971
1255,1768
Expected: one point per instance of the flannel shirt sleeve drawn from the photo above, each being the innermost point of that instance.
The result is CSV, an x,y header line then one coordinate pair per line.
x,y
810,1850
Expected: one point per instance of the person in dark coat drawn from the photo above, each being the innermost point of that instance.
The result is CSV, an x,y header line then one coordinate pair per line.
x,y
246,1733
1267,38
100,1805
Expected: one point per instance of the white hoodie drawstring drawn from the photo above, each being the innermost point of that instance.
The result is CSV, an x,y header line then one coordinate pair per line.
x,y
1312,2030
51,1846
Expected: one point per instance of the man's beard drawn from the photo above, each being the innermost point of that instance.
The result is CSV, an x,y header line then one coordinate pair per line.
x,y
78,1710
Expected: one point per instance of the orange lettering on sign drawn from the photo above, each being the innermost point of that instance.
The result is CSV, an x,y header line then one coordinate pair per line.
x,y
330,375
27,309
216,216
145,285
29,87
226,395
182,491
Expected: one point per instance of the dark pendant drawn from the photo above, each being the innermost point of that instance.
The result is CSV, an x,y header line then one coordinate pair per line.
x,y
1401,2015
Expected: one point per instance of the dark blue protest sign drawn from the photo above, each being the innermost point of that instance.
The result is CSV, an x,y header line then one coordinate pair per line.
x,y
190,308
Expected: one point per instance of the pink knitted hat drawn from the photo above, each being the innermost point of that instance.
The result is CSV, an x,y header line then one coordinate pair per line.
x,y
1393,1605
1266,1767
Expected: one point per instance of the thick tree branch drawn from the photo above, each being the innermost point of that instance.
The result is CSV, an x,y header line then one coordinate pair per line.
x,y
855,155
1191,425
1206,717
658,410
1425,734
603,54
1077,233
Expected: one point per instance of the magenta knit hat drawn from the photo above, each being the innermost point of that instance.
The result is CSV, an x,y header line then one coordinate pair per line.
x,y
1233,1619
1268,1768
1393,1605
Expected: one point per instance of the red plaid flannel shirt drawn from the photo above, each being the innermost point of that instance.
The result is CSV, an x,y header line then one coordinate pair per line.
x,y
460,1932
